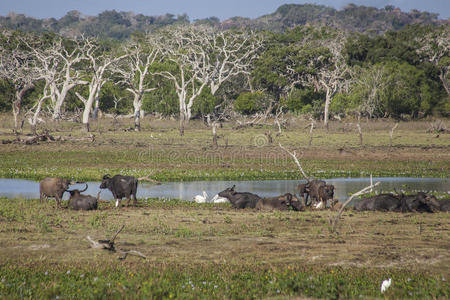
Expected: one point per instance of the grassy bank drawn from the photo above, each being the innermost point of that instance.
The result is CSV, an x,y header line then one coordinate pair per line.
x,y
245,154
211,251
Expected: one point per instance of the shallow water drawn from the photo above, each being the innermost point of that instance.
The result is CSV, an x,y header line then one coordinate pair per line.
x,y
20,188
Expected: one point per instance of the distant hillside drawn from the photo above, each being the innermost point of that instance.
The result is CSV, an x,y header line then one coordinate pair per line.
x,y
120,25
352,18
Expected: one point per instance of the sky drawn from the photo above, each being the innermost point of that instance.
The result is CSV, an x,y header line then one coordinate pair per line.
x,y
198,9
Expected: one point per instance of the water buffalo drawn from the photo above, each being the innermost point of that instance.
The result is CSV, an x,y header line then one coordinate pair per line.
x,y
82,202
421,202
240,200
121,186
382,202
303,189
326,192
444,205
53,187
336,205
311,189
282,202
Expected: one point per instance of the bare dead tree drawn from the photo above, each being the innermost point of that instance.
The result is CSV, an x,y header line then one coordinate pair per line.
x,y
435,48
59,63
98,64
332,76
134,70
214,134
334,222
204,58
17,67
294,157
277,119
311,132
358,126
391,134
371,83
36,109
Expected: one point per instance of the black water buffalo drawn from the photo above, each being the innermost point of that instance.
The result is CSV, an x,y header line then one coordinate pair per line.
x,y
240,200
82,202
303,189
53,187
121,186
382,202
282,202
444,205
311,189
421,202
325,192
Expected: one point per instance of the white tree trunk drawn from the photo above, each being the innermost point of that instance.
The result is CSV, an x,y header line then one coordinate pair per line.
x,y
137,103
88,106
327,106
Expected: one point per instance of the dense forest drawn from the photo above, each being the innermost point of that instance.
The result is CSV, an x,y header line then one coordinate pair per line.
x,y
304,59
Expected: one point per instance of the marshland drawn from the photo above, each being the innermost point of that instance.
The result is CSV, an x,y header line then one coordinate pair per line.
x,y
190,112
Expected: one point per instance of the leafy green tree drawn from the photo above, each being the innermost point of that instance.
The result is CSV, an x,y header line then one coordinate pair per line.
x,y
249,103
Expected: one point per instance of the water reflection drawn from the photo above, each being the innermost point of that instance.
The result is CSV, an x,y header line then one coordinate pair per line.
x,y
19,188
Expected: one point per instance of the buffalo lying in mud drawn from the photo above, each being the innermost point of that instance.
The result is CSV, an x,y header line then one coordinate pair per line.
x,y
444,205
82,202
240,200
382,202
121,186
54,187
421,202
282,202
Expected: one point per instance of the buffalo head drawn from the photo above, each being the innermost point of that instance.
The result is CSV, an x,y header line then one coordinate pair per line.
x,y
105,181
227,193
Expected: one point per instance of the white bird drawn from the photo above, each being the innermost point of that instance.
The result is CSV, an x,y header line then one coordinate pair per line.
x,y
319,205
201,199
385,285
218,199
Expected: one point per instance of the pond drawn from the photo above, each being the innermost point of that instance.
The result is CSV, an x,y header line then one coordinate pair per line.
x,y
20,188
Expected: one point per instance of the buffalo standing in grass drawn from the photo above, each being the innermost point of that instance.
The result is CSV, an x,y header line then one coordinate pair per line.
x,y
82,202
121,186
325,192
311,189
53,187
240,200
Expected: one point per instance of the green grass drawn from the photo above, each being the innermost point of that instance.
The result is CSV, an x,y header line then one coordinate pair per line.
x,y
211,251
242,154
214,281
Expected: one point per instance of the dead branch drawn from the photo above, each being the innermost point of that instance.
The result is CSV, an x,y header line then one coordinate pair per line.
x,y
131,252
110,246
311,133
215,145
338,215
147,178
391,133
294,156
358,125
